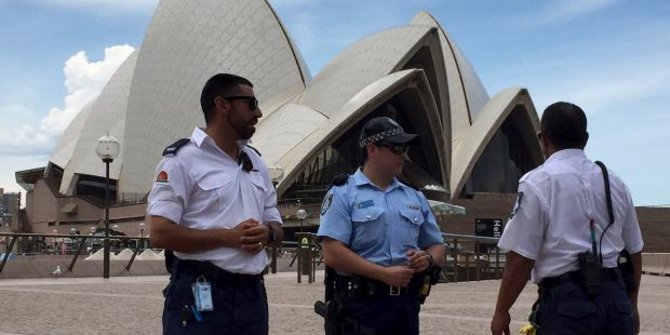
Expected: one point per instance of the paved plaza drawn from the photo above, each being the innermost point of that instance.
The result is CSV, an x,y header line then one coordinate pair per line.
x,y
132,305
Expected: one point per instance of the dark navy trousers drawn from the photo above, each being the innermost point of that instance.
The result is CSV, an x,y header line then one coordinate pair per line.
x,y
240,307
387,315
565,309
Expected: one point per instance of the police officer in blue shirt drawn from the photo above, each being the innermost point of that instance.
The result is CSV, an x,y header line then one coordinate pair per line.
x,y
380,236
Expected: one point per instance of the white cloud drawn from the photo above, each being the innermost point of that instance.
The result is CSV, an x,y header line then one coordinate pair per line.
x,y
97,4
565,10
84,80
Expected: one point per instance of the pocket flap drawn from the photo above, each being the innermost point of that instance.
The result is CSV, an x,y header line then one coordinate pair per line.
x,y
413,216
576,309
367,214
213,182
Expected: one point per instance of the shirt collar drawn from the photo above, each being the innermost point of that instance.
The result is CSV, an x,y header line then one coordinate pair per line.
x,y
361,179
199,136
566,154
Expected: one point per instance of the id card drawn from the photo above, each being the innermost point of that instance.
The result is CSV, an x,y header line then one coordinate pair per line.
x,y
202,294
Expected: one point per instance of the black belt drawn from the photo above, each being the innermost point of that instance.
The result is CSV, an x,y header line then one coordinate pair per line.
x,y
368,287
607,274
214,273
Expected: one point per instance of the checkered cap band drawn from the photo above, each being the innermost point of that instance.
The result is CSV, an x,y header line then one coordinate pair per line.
x,y
380,136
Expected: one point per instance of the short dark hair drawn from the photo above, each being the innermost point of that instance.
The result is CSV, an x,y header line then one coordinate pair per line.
x,y
222,84
565,125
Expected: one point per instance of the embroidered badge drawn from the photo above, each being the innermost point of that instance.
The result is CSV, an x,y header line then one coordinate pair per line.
x,y
366,204
327,201
162,177
517,205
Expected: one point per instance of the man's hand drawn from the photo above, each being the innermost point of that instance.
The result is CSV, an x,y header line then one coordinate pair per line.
x,y
418,260
500,323
254,236
398,276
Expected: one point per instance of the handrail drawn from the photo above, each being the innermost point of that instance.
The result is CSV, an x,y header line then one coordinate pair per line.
x,y
459,269
80,246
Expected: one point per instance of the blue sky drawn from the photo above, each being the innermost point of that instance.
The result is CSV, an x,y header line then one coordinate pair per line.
x,y
608,56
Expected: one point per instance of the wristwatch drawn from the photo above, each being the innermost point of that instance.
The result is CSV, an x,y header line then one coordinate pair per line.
x,y
430,259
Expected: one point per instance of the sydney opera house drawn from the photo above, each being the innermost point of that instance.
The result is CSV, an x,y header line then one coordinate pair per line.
x,y
473,146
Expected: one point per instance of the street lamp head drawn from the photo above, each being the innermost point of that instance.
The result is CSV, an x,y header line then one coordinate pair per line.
x,y
108,148
301,214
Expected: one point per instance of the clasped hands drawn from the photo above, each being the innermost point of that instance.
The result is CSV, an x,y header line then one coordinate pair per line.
x,y
400,276
252,236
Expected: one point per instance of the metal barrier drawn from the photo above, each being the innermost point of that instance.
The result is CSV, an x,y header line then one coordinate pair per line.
x,y
470,257
49,244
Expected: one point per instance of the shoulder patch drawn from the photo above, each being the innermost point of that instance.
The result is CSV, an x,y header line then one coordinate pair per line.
x,y
339,180
517,205
162,177
173,148
327,201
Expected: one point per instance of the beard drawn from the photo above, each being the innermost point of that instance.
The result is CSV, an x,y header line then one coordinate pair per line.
x,y
244,128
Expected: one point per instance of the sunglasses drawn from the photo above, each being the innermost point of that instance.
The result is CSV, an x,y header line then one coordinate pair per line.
x,y
245,161
394,148
251,100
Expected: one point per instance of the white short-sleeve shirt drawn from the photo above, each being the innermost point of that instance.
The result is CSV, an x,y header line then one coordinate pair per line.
x,y
201,187
556,202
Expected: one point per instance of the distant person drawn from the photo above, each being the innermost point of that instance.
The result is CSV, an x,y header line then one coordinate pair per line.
x,y
559,235
214,205
381,237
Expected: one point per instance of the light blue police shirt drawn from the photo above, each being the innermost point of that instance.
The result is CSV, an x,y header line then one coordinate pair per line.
x,y
379,225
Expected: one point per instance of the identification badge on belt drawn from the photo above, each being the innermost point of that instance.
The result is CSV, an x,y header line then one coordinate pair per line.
x,y
202,294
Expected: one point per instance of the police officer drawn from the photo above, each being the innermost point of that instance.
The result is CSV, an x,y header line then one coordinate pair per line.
x,y
379,234
214,205
561,216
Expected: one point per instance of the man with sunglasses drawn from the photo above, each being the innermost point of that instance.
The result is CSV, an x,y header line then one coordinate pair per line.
x,y
380,237
214,205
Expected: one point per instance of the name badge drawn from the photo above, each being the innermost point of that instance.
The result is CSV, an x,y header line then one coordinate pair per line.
x,y
202,293
366,204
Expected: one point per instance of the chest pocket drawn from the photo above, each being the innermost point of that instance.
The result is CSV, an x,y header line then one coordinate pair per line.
x,y
368,227
412,221
258,181
212,190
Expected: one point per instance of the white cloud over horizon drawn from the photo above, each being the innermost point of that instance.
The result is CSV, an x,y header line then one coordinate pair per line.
x,y
83,80
125,5
557,11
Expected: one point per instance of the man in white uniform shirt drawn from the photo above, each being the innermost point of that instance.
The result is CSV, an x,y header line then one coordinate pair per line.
x,y
214,205
550,226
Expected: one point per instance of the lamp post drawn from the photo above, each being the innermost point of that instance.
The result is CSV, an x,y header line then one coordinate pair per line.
x,y
301,214
142,225
107,149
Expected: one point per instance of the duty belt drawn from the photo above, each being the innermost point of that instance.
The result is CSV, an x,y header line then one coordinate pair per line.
x,y
367,287
214,273
606,274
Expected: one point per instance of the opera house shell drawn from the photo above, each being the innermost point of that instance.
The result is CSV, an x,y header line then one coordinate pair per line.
x,y
470,143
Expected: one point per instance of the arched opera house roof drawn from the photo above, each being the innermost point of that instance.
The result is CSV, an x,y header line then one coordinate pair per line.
x,y
469,142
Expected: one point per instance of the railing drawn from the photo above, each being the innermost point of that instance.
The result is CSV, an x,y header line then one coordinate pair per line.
x,y
470,257
71,242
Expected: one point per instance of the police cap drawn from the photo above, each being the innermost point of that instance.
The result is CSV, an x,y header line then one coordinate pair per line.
x,y
384,129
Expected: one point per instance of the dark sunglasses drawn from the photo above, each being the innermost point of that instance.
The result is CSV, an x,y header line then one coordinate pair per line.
x,y
394,148
252,101
245,161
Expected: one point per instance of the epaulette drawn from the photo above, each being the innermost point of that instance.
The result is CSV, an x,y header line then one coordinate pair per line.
x,y
173,148
256,150
339,180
